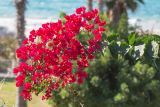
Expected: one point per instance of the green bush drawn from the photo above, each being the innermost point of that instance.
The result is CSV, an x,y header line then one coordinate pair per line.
x,y
125,74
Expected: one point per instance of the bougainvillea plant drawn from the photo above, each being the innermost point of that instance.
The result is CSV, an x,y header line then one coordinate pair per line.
x,y
57,53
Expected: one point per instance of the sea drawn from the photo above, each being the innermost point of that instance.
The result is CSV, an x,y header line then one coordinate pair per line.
x,y
40,11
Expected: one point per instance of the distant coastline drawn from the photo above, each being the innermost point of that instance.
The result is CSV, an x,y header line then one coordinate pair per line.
x,y
152,26
38,11
146,25
10,24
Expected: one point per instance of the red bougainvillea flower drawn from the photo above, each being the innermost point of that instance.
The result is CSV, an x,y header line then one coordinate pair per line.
x,y
57,53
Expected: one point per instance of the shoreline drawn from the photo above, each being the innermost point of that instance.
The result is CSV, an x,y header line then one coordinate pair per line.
x,y
151,26
10,24
146,25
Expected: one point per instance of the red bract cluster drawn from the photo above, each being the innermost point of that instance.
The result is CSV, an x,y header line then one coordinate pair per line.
x,y
57,53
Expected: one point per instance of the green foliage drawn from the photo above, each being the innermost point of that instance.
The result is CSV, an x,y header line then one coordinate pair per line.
x,y
7,52
135,47
131,39
122,28
7,47
62,15
126,75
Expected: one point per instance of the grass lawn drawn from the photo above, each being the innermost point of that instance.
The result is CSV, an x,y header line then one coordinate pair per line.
x,y
8,94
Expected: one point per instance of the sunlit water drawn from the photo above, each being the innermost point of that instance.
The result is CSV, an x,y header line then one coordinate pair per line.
x,y
51,8
40,10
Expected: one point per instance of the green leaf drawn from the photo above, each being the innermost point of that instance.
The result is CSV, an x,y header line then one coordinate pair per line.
x,y
124,87
95,80
119,97
63,93
131,39
114,47
112,37
124,48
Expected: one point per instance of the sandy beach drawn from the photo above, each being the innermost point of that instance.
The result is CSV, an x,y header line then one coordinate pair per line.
x,y
151,26
10,24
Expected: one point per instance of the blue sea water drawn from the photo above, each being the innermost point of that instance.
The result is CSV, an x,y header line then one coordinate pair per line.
x,y
42,9
149,10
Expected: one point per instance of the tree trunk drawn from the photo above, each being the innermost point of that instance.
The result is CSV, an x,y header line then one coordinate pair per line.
x,y
20,8
90,5
118,9
100,5
20,102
